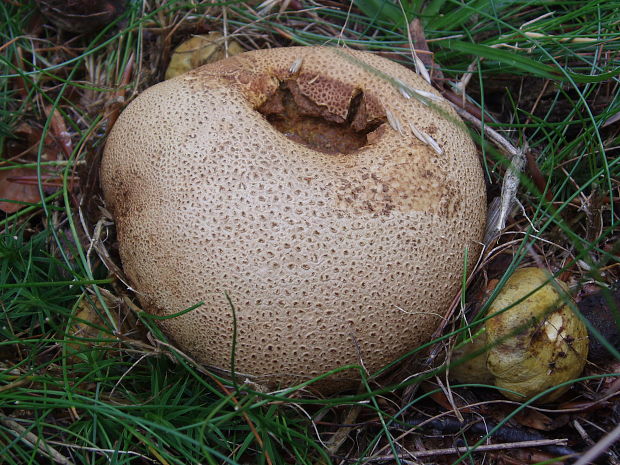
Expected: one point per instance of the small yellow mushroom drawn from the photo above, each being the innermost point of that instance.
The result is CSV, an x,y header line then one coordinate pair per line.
x,y
536,343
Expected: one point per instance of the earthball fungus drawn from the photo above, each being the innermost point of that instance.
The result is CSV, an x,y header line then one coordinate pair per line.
x,y
330,194
535,340
200,50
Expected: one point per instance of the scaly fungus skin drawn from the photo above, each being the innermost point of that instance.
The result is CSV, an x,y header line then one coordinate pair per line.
x,y
335,248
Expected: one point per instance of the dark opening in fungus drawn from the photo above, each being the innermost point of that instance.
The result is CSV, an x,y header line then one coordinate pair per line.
x,y
300,119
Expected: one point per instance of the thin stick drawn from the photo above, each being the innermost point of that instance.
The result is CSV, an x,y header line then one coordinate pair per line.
x,y
499,140
484,448
600,447
511,178
35,441
342,434
16,384
104,451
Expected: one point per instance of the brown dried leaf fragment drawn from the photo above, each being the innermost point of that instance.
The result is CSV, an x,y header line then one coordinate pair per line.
x,y
15,195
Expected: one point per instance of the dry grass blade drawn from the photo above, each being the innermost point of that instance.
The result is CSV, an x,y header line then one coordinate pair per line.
x,y
296,66
408,92
427,139
393,121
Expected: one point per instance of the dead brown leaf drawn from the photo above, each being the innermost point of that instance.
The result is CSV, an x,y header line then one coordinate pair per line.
x,y
12,192
58,132
19,186
525,456
538,420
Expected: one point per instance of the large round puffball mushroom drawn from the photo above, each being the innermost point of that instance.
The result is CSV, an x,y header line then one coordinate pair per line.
x,y
535,341
316,202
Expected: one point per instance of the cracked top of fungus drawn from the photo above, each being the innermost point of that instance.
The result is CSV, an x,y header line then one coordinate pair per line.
x,y
331,194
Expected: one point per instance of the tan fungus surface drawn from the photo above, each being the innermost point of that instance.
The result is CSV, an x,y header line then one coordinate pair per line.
x,y
329,258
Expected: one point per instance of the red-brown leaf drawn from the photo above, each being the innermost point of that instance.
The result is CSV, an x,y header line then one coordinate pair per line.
x,y
17,191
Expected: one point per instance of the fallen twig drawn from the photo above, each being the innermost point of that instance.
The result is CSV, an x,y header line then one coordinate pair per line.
x,y
600,447
504,433
464,450
342,434
35,441
497,222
